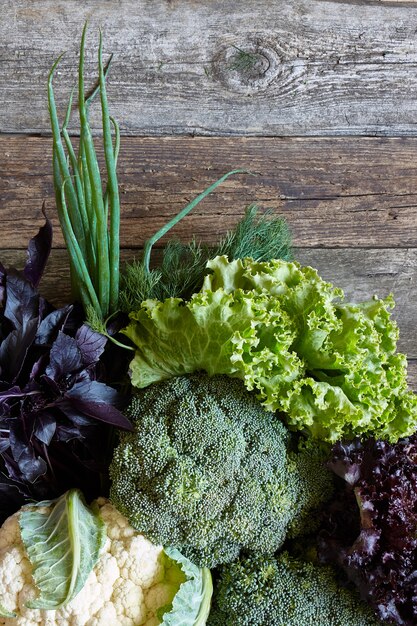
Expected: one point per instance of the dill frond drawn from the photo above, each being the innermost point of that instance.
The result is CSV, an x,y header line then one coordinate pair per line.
x,y
137,284
260,236
181,272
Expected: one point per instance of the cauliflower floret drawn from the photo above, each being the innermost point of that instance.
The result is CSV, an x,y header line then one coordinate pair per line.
x,y
126,587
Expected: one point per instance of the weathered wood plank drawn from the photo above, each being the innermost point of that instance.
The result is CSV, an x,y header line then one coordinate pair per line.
x,y
270,68
412,375
335,192
361,273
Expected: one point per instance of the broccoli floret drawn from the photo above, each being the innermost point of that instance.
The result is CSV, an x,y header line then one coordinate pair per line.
x,y
284,591
209,471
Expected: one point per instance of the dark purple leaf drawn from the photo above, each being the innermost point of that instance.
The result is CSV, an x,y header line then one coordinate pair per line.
x,y
94,391
49,327
65,357
12,392
38,367
91,344
4,445
73,414
370,528
45,428
3,274
38,252
22,300
67,432
54,387
98,401
103,412
14,349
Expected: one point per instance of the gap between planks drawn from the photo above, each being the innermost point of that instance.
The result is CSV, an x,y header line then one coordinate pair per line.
x,y
334,192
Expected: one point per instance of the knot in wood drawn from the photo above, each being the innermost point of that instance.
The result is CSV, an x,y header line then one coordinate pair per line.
x,y
247,67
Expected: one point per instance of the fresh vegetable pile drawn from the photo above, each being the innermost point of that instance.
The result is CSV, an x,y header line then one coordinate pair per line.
x,y
221,439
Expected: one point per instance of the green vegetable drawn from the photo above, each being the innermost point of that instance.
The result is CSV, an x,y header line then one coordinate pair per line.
x,y
191,604
183,266
63,546
284,591
330,366
88,211
208,471
84,208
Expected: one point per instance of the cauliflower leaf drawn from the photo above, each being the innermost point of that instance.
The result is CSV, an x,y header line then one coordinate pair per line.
x,y
63,540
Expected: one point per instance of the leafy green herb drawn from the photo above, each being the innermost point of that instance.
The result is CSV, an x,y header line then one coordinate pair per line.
x,y
63,539
181,272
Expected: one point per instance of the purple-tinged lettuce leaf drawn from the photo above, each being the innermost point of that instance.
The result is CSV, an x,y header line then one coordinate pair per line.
x,y
370,528
38,253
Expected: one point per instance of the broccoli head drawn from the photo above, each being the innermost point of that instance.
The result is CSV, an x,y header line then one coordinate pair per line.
x,y
207,470
284,591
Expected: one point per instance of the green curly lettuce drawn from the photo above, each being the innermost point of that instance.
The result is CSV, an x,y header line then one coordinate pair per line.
x,y
331,367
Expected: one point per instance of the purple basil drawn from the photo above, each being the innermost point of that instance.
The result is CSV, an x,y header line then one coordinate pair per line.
x,y
370,529
56,415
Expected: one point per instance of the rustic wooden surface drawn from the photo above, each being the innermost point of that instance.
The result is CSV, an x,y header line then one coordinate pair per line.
x,y
257,67
316,97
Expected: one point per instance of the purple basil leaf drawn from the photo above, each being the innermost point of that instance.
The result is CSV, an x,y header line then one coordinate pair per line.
x,y
73,414
49,327
67,432
45,428
65,357
22,300
50,382
94,391
38,252
91,344
4,445
32,467
14,348
12,392
3,275
104,413
95,400
38,367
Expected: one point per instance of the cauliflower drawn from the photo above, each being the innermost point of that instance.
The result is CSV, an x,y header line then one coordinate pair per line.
x,y
132,580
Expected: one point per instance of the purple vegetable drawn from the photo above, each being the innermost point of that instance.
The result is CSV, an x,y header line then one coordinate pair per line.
x,y
370,529
56,416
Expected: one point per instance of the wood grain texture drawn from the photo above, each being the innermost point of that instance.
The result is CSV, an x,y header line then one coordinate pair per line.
x,y
335,192
361,273
304,67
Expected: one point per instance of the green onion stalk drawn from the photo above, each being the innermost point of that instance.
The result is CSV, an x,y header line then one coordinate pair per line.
x,y
88,210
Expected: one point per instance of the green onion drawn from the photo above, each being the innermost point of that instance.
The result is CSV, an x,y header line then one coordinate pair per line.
x,y
88,216
88,210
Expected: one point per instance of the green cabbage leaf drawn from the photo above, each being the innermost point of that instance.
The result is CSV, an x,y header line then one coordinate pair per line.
x,y
330,366
63,539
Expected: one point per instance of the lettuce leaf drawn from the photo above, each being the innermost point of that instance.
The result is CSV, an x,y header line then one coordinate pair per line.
x,y
191,604
330,366
63,540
